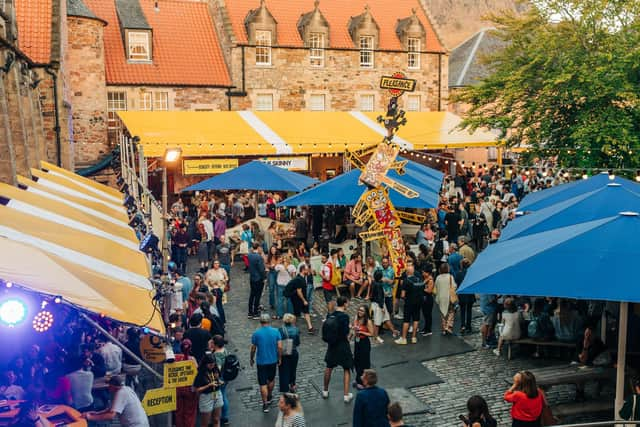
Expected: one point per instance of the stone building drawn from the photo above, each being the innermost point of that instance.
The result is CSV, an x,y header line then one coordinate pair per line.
x,y
310,55
34,110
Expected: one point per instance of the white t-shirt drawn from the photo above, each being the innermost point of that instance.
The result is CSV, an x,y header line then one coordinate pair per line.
x,y
176,302
81,384
285,274
112,355
129,409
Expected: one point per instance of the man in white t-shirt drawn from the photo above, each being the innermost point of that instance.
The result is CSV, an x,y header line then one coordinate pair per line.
x,y
81,384
112,355
125,404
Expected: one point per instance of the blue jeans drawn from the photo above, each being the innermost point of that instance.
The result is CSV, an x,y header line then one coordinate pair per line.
x,y
310,290
281,301
225,408
227,268
272,287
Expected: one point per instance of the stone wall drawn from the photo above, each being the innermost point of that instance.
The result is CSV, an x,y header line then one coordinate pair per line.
x,y
184,98
88,89
292,80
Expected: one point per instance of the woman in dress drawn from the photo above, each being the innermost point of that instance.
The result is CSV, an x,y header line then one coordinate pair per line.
x,y
208,384
445,288
362,330
290,414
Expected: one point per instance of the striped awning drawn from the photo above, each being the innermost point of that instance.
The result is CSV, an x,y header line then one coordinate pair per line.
x,y
240,133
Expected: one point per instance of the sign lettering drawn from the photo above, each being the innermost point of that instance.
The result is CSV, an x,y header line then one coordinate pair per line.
x,y
152,349
159,400
179,374
298,163
397,84
208,166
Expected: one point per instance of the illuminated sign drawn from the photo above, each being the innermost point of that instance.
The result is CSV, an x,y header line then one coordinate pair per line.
x,y
208,166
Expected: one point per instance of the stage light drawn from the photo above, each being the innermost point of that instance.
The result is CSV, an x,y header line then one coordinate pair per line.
x,y
42,321
9,285
172,154
12,312
145,330
57,299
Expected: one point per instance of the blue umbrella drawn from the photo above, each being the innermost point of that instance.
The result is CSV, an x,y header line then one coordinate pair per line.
x,y
418,167
606,201
256,175
344,190
590,260
542,199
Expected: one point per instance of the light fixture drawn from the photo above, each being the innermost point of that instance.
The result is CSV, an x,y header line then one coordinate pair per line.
x,y
12,312
8,284
42,321
612,176
57,299
584,174
172,154
638,176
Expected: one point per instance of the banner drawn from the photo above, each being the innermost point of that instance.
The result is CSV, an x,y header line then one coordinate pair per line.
x,y
208,166
152,349
159,400
180,374
299,163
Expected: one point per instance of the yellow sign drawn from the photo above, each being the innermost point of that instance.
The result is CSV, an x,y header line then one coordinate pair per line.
x,y
397,83
159,400
208,166
179,374
152,349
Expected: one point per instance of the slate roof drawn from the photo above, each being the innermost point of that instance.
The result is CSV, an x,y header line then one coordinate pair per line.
x,y
466,65
130,15
78,8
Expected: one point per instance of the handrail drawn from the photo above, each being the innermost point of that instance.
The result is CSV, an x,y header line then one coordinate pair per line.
x,y
602,424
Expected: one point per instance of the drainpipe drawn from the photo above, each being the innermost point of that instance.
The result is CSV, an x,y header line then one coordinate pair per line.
x,y
439,82
56,128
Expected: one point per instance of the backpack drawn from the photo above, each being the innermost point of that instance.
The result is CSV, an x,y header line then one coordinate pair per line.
x,y
290,288
336,276
331,330
540,327
231,368
438,250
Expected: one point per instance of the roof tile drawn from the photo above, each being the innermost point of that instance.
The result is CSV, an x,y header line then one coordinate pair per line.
x,y
186,51
337,12
34,28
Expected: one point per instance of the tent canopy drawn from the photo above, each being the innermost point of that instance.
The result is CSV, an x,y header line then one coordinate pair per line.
x,y
583,261
256,175
545,198
345,190
604,202
234,133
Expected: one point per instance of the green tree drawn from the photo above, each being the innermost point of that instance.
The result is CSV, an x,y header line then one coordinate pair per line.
x,y
566,82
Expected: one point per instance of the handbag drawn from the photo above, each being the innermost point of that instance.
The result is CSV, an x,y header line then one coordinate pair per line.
x,y
453,296
546,416
287,343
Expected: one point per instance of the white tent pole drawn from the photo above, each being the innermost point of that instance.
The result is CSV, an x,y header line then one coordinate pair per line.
x,y
622,350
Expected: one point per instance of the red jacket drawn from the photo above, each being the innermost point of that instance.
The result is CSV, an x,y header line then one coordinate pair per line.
x,y
524,408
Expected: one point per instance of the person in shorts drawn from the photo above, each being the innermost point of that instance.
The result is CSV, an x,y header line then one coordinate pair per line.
x,y
208,384
339,352
489,309
413,290
380,312
298,299
266,342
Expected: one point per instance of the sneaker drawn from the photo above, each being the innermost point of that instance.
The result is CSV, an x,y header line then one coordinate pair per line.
x,y
379,340
325,394
269,399
348,398
225,422
410,329
426,333
395,334
398,316
265,408
414,340
401,341
486,347
496,352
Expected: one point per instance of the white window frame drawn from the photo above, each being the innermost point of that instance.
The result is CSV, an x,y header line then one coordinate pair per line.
x,y
143,42
411,103
116,101
146,101
317,102
316,50
160,101
413,53
367,102
366,51
263,47
264,102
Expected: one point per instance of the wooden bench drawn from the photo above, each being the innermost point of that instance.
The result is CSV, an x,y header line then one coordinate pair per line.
x,y
578,408
537,343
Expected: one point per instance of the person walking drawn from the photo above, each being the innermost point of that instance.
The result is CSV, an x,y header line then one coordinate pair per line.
x,y
208,384
466,300
478,415
220,353
527,400
427,301
290,337
370,408
413,291
290,414
335,332
297,288
257,274
267,344
272,260
362,330
285,271
380,313
394,414
445,287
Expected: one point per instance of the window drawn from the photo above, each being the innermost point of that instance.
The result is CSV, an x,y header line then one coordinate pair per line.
x,y
413,102
413,53
366,51
139,46
316,103
116,101
160,101
316,52
264,102
146,101
367,102
263,47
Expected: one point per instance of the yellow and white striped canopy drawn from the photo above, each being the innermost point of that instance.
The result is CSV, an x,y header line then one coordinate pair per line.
x,y
238,133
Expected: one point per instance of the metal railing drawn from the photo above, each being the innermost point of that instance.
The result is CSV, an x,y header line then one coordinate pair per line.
x,y
602,424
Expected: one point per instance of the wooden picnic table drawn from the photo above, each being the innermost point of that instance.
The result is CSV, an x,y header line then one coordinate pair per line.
x,y
570,374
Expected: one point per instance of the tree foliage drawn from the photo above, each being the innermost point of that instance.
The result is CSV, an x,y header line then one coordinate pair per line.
x,y
568,87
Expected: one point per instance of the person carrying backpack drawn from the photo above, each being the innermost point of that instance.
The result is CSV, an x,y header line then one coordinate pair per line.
x,y
221,355
335,332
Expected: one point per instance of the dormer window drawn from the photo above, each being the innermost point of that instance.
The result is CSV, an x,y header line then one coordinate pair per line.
x,y
263,47
366,51
413,53
316,49
139,45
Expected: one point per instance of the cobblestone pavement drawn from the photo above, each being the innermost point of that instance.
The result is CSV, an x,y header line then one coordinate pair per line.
x,y
476,372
